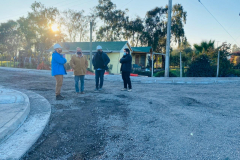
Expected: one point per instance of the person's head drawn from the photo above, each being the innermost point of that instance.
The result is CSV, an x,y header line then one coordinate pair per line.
x,y
127,51
57,48
99,49
79,51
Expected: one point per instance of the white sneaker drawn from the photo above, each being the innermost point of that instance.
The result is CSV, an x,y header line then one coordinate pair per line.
x,y
124,89
130,90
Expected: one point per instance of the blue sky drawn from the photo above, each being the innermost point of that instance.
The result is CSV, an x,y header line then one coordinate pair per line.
x,y
200,24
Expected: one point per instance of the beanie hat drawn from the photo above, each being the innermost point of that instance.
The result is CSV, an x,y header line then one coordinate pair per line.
x,y
99,47
56,46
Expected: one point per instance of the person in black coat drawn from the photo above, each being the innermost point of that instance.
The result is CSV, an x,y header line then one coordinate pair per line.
x,y
126,68
100,62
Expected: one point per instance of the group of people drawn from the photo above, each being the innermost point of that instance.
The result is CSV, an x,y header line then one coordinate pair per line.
x,y
79,64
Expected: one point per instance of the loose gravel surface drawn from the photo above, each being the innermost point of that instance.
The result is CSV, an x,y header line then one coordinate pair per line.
x,y
154,121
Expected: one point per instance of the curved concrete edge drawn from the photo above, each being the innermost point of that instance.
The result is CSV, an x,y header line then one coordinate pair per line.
x,y
16,122
143,79
22,140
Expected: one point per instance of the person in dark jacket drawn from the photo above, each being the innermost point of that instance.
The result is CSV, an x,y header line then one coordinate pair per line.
x,y
100,62
126,68
58,69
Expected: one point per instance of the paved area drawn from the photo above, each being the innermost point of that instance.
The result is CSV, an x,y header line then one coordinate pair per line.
x,y
155,121
28,133
14,109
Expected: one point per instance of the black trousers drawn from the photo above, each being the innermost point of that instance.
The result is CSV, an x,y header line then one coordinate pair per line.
x,y
126,80
99,74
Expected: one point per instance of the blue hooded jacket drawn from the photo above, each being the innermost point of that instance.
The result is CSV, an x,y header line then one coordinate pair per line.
x,y
58,62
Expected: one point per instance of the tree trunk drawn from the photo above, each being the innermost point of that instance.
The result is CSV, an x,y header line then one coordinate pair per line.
x,y
137,40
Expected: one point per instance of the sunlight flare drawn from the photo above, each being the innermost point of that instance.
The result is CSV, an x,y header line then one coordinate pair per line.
x,y
55,27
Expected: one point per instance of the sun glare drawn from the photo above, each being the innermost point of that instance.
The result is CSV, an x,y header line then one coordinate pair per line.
x,y
54,28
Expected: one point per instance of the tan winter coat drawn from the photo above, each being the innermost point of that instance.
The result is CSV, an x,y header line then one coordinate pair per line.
x,y
79,65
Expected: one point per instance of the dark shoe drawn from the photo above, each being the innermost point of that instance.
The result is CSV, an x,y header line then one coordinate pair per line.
x,y
82,93
59,97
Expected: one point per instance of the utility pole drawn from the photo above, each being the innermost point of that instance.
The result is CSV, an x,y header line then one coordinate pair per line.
x,y
91,45
181,71
217,43
168,38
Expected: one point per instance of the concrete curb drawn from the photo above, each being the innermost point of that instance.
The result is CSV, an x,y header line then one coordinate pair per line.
x,y
144,80
23,139
18,119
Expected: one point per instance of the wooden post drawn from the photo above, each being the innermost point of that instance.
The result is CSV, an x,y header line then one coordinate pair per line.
x,y
152,64
218,63
181,64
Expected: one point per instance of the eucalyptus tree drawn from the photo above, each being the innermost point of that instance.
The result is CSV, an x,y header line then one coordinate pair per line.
x,y
133,30
9,38
155,28
113,21
36,29
76,25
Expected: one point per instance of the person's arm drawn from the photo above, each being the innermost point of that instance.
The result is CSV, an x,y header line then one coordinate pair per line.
x,y
86,62
93,60
126,59
107,60
72,64
59,59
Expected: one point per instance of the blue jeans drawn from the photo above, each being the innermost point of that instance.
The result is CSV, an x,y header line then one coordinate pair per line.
x,y
99,74
77,79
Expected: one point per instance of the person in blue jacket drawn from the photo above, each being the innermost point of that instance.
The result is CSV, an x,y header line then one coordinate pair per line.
x,y
100,62
126,68
58,69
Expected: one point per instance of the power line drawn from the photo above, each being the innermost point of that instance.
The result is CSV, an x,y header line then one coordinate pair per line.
x,y
218,21
126,4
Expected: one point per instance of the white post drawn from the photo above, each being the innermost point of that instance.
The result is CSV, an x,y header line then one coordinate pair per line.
x,y
152,63
181,64
218,63
168,38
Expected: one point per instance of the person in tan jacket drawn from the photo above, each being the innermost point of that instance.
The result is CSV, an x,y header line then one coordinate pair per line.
x,y
79,65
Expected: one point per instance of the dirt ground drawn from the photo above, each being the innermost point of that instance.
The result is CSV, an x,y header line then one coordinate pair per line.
x,y
155,121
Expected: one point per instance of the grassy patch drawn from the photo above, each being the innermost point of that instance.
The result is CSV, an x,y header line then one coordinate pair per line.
x,y
8,63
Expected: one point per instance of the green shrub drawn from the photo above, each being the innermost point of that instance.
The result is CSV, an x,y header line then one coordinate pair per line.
x,y
162,73
201,68
237,72
225,68
142,73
